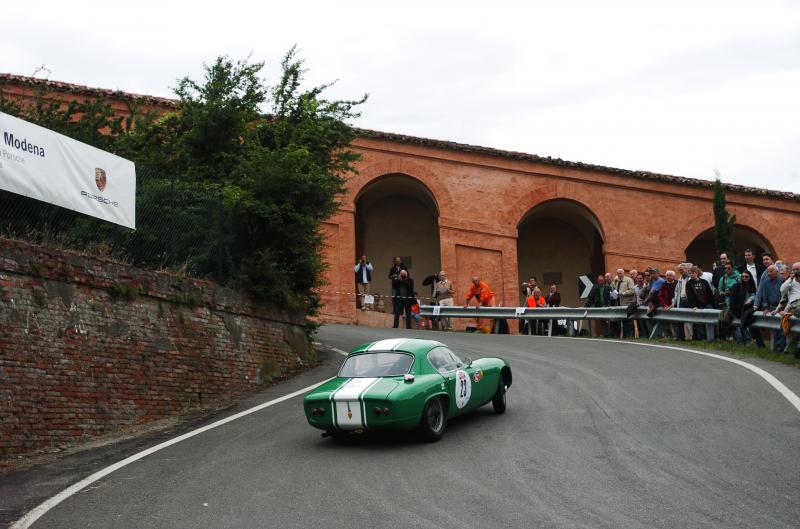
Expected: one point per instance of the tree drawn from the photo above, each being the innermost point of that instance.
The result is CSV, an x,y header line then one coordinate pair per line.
x,y
723,221
234,183
277,174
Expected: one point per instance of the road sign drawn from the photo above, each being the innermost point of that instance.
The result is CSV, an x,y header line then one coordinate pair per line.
x,y
584,286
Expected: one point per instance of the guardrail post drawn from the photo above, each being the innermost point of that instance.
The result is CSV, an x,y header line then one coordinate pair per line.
x,y
711,332
570,327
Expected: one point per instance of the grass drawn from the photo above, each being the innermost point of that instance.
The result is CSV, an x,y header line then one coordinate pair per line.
x,y
731,348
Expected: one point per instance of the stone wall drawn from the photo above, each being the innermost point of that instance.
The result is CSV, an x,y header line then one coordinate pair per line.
x,y
88,346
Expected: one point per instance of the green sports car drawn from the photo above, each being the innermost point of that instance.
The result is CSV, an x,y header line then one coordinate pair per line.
x,y
404,384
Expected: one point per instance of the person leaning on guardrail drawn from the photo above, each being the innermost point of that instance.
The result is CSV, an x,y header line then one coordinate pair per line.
x,y
683,331
790,306
768,295
534,300
481,291
726,282
665,295
600,296
743,296
626,294
700,296
444,296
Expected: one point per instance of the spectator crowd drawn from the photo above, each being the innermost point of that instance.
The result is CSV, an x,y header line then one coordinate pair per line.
x,y
764,284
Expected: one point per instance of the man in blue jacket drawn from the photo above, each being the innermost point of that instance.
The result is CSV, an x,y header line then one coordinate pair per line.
x,y
768,295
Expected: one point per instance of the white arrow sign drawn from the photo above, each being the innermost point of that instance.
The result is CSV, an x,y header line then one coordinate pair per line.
x,y
587,286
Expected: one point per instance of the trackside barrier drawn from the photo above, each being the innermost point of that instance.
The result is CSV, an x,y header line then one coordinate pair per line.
x,y
699,316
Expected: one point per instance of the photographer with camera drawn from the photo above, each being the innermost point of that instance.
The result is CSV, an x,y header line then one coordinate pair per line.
x,y
403,299
363,270
394,274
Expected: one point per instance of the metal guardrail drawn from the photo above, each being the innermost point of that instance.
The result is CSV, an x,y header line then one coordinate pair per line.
x,y
676,315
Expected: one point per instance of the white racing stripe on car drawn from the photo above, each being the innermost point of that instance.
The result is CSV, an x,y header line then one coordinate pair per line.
x,y
363,404
347,400
386,345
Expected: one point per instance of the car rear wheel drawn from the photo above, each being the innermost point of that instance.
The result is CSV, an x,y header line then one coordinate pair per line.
x,y
499,400
434,420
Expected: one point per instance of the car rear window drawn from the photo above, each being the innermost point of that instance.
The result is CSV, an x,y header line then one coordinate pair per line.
x,y
376,365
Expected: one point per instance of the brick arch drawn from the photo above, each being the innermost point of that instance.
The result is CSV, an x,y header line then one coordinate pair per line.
x,y
704,222
520,208
366,175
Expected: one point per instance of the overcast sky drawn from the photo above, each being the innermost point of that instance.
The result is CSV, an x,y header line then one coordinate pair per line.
x,y
683,90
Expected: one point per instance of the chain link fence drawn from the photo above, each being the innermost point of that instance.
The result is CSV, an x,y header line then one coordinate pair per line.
x,y
180,226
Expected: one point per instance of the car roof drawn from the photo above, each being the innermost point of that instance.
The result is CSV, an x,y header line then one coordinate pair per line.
x,y
415,346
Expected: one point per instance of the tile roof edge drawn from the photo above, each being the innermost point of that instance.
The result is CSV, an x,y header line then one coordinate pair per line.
x,y
428,142
514,155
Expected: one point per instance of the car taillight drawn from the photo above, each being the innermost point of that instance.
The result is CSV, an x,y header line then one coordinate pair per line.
x,y
379,411
317,411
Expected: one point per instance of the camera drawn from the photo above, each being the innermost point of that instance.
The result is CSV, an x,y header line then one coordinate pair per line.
x,y
796,273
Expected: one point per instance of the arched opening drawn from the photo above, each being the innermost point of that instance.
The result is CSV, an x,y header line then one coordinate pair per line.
x,y
557,242
398,215
703,249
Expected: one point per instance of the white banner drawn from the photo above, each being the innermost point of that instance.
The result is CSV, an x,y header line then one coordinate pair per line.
x,y
42,164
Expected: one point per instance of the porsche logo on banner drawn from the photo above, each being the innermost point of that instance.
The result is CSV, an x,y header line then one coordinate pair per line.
x,y
39,163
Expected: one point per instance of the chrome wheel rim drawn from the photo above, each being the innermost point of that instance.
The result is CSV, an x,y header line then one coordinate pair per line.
x,y
435,415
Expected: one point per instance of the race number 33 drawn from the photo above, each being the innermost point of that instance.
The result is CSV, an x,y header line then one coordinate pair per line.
x,y
463,388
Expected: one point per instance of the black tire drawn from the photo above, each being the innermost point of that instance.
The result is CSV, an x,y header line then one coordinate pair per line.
x,y
434,420
499,399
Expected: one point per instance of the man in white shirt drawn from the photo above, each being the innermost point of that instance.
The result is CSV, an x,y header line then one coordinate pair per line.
x,y
708,276
750,265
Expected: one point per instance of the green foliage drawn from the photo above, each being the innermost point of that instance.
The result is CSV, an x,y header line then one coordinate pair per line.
x,y
277,174
723,221
92,120
236,181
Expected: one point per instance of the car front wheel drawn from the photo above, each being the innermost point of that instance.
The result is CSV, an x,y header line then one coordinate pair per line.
x,y
434,420
499,400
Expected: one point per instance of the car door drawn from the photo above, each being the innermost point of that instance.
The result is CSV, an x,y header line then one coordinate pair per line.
x,y
460,386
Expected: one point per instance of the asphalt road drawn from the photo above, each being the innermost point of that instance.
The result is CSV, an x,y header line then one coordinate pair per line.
x,y
596,435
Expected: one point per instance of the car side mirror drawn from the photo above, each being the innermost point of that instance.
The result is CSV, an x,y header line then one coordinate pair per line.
x,y
467,362
408,377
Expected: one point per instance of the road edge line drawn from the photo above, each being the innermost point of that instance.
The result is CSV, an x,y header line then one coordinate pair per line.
x,y
771,379
37,512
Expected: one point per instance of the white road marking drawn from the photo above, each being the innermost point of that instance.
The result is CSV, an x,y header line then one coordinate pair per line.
x,y
31,516
779,386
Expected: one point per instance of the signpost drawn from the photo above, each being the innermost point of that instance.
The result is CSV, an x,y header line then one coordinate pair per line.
x,y
584,286
42,164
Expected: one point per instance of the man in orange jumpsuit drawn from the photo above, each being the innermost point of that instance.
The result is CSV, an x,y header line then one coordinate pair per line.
x,y
485,297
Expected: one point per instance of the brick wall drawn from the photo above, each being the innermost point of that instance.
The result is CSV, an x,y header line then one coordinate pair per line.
x,y
89,346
